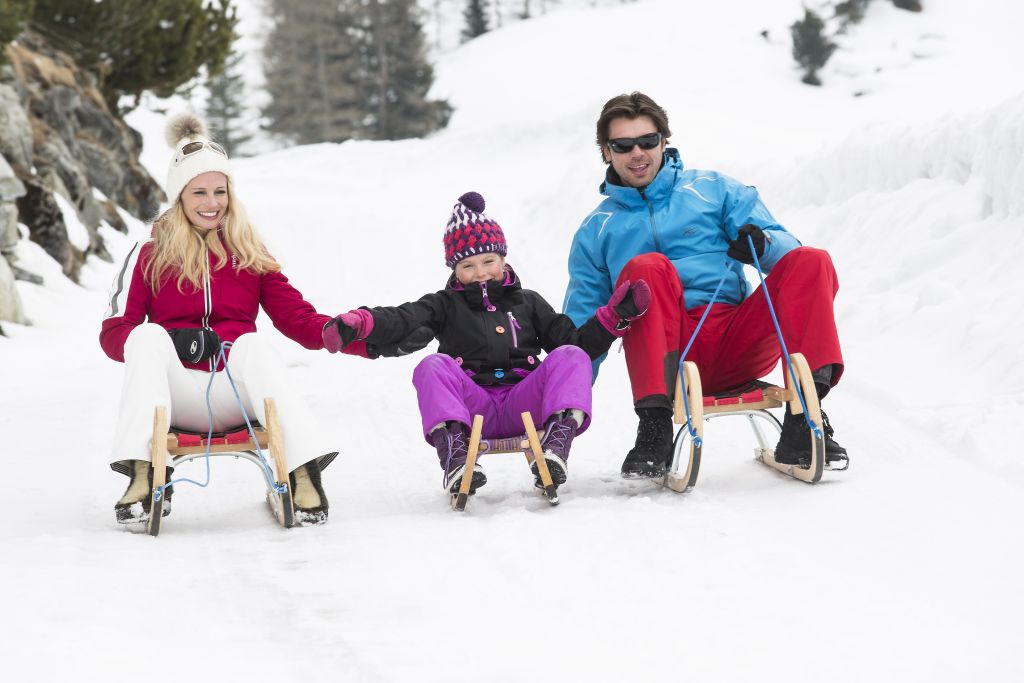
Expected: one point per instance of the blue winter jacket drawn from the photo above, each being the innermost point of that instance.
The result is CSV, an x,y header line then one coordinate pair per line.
x,y
689,216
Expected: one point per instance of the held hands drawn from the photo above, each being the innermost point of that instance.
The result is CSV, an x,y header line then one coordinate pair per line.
x,y
194,344
341,331
739,248
628,302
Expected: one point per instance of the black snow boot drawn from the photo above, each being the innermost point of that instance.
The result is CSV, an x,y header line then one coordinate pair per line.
x,y
137,501
653,450
308,497
794,447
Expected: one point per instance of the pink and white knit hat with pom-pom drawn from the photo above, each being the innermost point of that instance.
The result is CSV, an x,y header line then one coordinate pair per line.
x,y
470,231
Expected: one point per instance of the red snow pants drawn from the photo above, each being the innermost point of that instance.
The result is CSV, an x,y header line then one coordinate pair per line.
x,y
737,343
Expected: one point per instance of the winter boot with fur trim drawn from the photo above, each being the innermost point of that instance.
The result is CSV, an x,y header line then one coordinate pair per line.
x,y
137,501
308,497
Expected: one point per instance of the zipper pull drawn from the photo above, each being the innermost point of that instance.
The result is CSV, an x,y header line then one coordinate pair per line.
x,y
514,325
487,302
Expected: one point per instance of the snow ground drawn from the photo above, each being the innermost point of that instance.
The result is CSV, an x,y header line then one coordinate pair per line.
x,y
905,568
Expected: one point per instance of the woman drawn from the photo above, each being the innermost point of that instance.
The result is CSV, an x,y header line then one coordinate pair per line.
x,y
200,280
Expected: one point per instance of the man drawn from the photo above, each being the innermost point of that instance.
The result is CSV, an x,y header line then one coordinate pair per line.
x,y
680,229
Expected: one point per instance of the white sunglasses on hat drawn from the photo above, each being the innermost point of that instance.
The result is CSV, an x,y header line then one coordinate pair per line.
x,y
193,147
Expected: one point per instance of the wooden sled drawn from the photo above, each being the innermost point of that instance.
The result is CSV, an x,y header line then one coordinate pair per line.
x,y
173,448
753,403
528,444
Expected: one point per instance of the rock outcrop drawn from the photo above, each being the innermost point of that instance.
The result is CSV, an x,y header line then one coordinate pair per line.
x,y
57,137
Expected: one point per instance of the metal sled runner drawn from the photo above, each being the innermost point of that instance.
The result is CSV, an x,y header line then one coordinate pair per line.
x,y
527,444
172,448
691,408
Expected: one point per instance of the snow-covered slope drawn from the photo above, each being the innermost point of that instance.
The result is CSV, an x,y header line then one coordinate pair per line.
x,y
904,568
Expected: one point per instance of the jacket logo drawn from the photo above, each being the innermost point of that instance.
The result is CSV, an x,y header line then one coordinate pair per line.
x,y
192,349
689,231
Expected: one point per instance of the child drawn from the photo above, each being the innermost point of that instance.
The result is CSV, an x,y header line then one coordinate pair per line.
x,y
199,281
491,333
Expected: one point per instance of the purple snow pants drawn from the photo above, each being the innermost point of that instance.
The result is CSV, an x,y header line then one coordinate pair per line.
x,y
446,392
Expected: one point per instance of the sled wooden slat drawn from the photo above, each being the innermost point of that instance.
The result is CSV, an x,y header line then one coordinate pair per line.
x,y
527,444
262,438
167,450
754,404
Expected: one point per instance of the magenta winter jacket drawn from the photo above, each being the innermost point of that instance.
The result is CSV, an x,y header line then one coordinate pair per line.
x,y
228,304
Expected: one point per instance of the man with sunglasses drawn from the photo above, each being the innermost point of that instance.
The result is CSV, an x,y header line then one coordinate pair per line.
x,y
681,230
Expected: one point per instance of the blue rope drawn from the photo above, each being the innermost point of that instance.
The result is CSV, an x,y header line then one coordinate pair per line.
x,y
785,352
697,441
222,360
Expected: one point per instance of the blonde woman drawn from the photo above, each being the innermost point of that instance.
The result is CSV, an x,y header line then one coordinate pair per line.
x,y
199,281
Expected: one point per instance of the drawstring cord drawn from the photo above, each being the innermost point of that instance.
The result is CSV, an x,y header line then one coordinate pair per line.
x,y
222,359
785,353
778,331
698,441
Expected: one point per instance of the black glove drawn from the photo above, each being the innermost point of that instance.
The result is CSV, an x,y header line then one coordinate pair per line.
x,y
195,344
739,248
416,340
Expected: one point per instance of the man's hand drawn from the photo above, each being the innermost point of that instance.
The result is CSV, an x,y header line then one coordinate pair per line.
x,y
739,248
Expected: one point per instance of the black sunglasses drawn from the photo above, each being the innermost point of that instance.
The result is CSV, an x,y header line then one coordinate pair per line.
x,y
623,145
193,147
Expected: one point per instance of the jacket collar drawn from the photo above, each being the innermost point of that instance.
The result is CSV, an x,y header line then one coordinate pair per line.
x,y
659,189
495,289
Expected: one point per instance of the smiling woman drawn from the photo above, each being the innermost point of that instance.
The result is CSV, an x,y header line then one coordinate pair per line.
x,y
185,296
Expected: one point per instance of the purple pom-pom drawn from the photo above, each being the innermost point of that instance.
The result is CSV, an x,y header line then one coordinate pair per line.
x,y
473,201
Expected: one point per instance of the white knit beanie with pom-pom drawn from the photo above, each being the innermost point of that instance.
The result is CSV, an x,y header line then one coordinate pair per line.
x,y
194,154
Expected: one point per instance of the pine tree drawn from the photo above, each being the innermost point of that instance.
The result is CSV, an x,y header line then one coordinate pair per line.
x,y
225,108
912,5
397,74
139,45
311,66
851,11
476,19
342,69
811,47
13,14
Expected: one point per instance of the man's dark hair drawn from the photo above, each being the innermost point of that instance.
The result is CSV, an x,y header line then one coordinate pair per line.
x,y
631,106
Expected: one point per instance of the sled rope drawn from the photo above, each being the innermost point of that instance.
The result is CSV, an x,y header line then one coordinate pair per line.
x,y
697,441
785,352
222,359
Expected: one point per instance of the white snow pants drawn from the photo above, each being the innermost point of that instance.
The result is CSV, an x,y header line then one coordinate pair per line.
x,y
154,376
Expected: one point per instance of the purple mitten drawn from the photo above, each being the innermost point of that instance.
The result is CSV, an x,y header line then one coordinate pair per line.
x,y
341,331
627,303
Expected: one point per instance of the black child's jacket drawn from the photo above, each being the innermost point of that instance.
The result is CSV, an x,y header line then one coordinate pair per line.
x,y
499,346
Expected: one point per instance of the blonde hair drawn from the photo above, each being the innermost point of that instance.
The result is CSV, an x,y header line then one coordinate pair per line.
x,y
181,248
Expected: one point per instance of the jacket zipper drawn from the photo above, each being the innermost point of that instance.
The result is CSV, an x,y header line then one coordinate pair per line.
x,y
208,305
513,325
487,302
654,223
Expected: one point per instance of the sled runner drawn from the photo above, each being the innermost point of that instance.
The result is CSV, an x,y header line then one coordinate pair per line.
x,y
172,448
528,444
691,408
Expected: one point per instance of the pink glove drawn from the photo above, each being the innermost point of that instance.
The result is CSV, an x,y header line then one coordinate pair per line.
x,y
627,303
348,327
